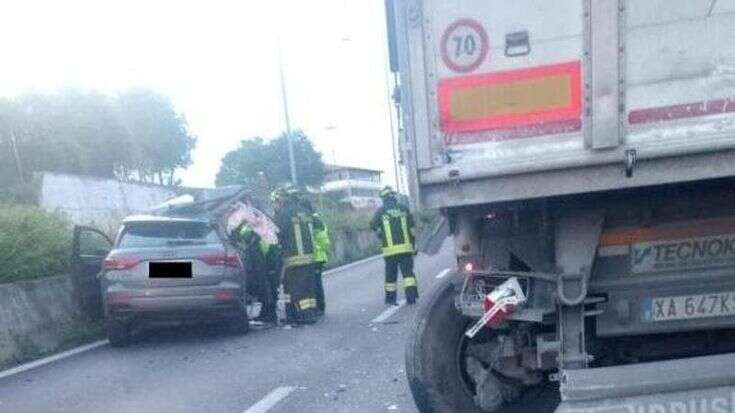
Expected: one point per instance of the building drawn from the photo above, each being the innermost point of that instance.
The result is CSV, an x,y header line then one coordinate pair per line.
x,y
359,187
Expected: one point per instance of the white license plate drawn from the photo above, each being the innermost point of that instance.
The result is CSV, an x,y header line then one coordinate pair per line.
x,y
686,307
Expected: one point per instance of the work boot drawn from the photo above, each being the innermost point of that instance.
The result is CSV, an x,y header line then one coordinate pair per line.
x,y
267,315
412,294
308,316
391,297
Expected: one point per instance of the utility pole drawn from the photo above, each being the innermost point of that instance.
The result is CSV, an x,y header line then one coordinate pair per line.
x,y
284,97
392,99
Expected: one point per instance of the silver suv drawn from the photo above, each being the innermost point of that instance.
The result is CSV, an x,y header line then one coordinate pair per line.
x,y
171,270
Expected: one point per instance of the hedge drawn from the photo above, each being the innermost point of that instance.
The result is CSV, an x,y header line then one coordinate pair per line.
x,y
33,243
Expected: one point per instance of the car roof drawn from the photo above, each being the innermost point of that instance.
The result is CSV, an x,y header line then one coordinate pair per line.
x,y
142,219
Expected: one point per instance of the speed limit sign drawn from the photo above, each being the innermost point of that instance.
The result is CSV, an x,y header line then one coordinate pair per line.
x,y
464,45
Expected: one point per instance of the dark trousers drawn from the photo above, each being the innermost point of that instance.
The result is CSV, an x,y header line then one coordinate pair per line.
x,y
270,300
298,283
393,263
262,284
319,287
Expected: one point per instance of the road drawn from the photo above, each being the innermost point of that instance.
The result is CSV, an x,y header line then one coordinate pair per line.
x,y
351,361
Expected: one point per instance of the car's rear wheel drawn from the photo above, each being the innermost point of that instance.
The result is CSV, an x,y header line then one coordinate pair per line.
x,y
240,325
118,333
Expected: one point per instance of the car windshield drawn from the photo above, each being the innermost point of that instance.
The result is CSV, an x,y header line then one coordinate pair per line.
x,y
163,234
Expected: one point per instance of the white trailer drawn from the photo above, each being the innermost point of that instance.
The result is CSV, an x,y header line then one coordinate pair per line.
x,y
587,148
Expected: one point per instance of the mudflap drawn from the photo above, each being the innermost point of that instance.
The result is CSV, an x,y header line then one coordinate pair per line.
x,y
693,385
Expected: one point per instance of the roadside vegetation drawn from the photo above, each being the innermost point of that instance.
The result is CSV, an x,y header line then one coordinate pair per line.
x,y
33,243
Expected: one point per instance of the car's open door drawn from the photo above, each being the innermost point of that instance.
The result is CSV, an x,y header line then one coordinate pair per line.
x,y
89,248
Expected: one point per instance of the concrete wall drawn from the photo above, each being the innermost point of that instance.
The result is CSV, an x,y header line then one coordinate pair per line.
x,y
38,317
96,201
352,245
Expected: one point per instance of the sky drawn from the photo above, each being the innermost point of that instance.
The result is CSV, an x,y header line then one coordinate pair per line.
x,y
218,62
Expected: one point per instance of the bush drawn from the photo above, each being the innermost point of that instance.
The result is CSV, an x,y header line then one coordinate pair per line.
x,y
347,219
33,243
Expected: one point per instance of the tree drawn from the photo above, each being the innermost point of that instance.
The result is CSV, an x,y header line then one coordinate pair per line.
x,y
136,135
244,165
159,135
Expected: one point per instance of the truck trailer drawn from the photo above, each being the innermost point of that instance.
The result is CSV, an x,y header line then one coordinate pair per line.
x,y
584,151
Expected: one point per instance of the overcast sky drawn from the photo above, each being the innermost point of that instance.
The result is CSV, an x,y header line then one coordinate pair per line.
x,y
218,62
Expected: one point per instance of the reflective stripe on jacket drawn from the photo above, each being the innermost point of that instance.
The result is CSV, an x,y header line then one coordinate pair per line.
x,y
395,228
297,235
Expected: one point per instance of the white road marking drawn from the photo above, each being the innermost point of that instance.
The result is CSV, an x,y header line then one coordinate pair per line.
x,y
388,312
51,359
270,400
443,273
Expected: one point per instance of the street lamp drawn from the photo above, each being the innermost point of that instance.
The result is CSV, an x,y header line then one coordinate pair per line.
x,y
284,97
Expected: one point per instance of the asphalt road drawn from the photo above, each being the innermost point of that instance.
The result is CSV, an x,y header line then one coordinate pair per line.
x,y
347,362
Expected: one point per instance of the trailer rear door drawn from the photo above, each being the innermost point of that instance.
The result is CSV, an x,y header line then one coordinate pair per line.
x,y
498,88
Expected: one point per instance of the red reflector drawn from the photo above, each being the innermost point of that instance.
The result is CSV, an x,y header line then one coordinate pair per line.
x,y
512,98
119,263
220,259
224,295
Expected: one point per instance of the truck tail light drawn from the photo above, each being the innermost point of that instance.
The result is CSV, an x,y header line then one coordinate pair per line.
x,y
221,260
119,263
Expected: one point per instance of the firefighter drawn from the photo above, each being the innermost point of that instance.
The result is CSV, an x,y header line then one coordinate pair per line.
x,y
322,248
322,245
297,226
394,225
261,264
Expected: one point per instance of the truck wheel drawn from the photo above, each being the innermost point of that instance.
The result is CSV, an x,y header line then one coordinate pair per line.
x,y
118,333
438,371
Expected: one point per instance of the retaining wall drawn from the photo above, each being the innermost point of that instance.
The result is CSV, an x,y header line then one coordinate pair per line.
x,y
38,317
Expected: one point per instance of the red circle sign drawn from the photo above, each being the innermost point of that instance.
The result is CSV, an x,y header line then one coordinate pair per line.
x,y
464,45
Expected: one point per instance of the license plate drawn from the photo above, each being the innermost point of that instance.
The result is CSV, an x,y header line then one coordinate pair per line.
x,y
169,270
686,307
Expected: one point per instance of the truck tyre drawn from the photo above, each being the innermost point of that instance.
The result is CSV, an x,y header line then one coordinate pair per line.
x,y
433,364
118,333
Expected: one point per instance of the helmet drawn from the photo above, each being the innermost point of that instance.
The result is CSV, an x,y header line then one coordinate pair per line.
x,y
291,190
387,192
278,194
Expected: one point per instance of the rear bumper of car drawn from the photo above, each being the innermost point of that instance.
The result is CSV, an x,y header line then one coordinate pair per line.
x,y
182,305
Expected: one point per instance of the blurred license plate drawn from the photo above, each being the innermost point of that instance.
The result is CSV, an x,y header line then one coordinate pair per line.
x,y
169,270
685,307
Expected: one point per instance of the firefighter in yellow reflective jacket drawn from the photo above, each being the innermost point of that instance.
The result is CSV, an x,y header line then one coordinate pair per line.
x,y
297,226
322,246
394,225
262,265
